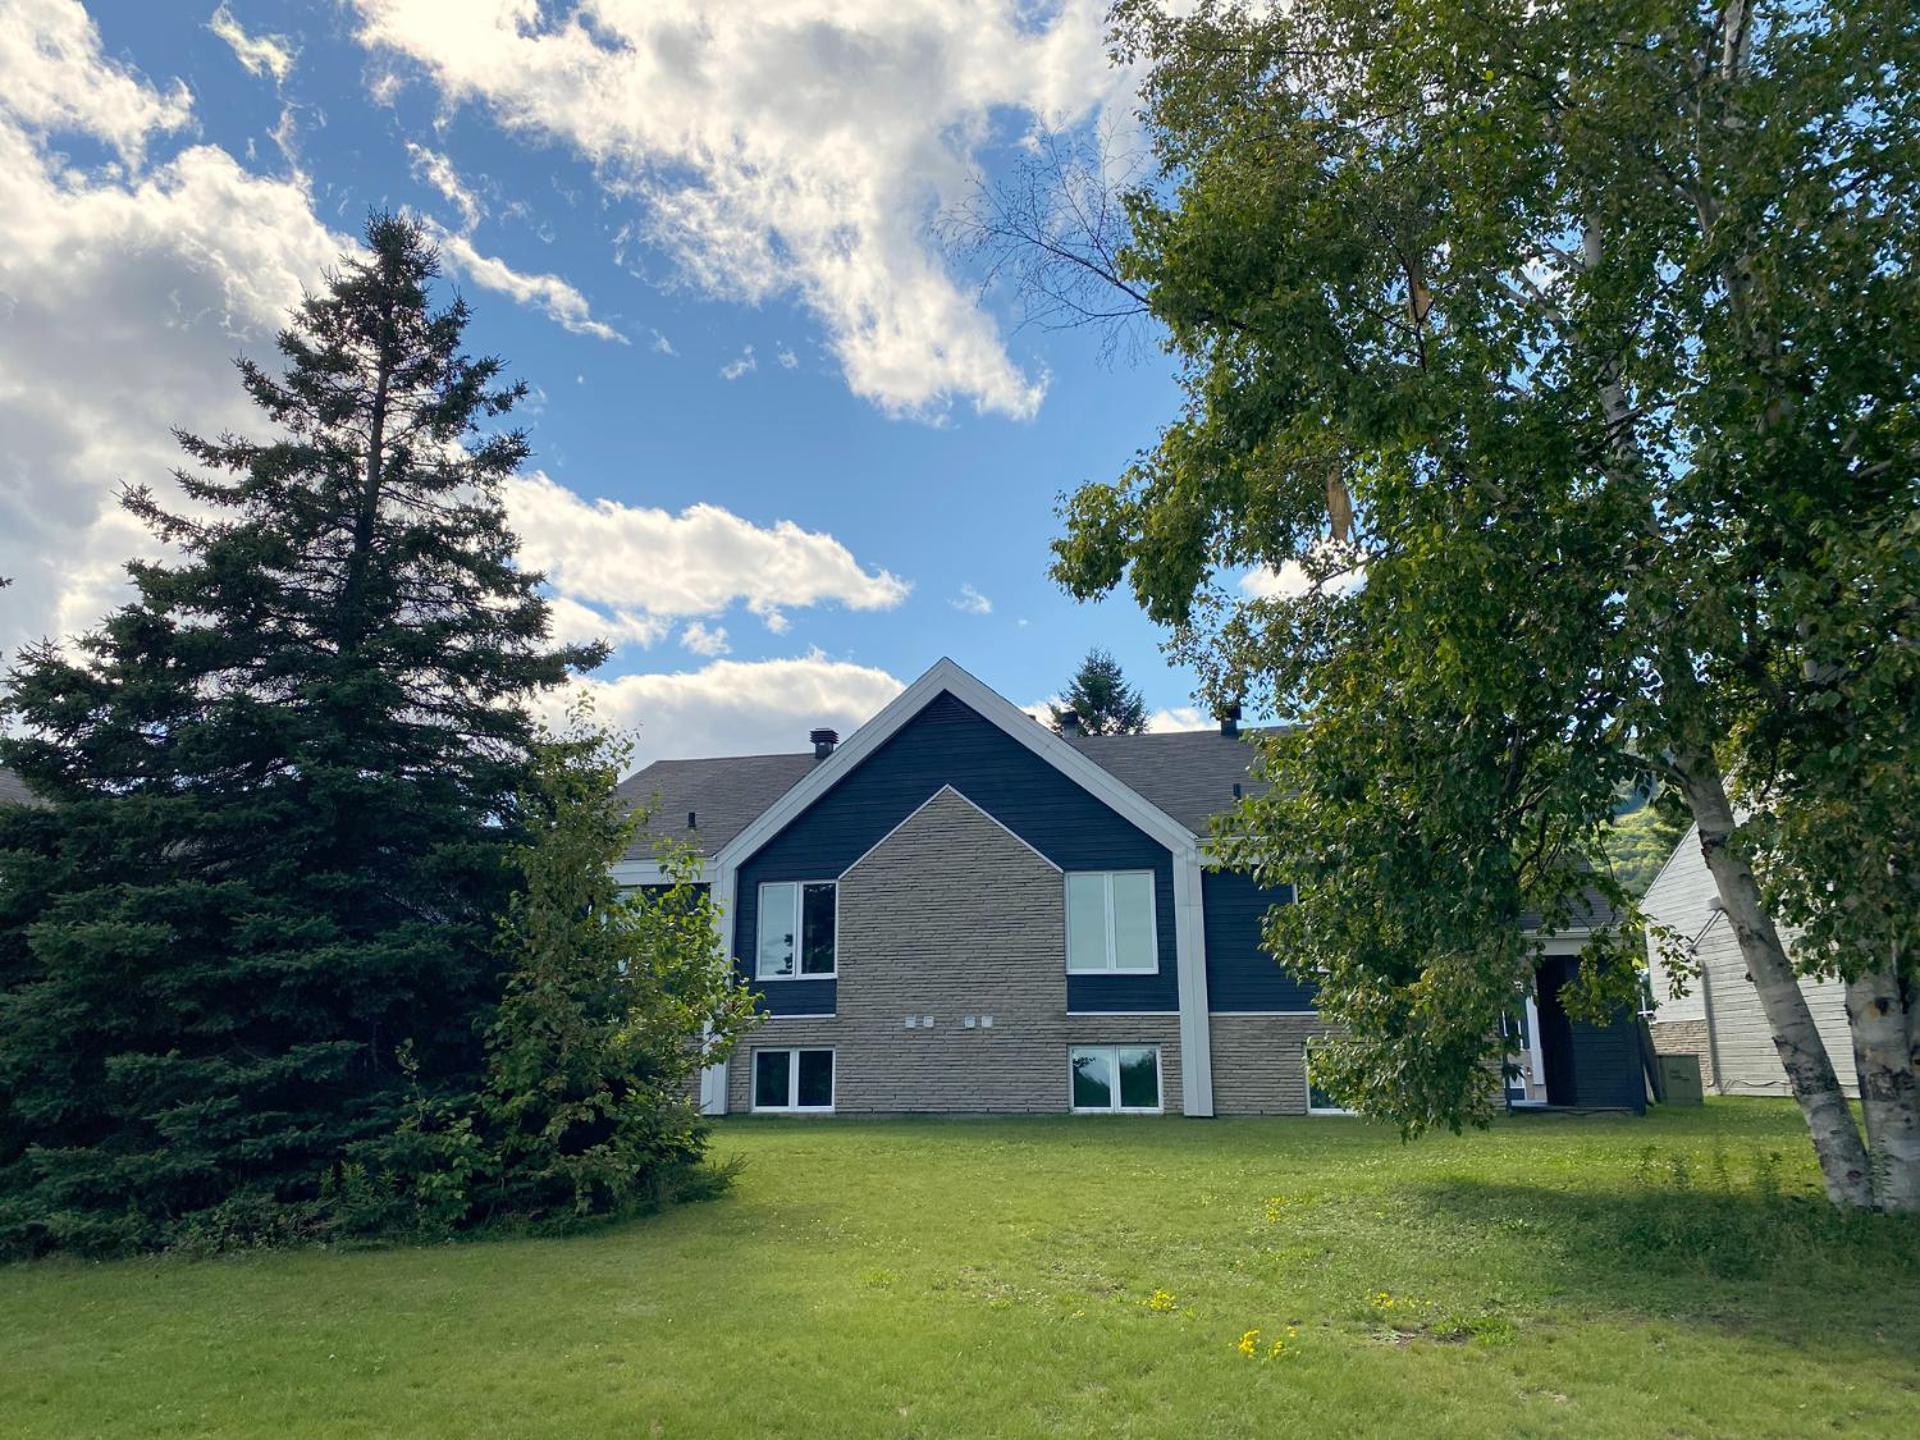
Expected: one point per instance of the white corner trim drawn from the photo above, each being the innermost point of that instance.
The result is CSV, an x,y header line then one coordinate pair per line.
x,y
713,1079
990,706
1190,952
957,794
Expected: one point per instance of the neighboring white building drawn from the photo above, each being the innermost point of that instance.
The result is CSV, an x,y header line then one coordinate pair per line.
x,y
1720,1018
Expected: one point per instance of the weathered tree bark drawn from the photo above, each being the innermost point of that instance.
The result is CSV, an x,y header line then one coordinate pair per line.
x,y
1880,1011
1836,1139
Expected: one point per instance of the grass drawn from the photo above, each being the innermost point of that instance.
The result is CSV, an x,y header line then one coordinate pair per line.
x,y
1555,1276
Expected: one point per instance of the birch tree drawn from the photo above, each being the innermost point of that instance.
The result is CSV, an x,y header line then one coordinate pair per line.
x,y
1550,426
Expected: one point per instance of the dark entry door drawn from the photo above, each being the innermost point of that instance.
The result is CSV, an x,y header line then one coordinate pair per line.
x,y
1556,1033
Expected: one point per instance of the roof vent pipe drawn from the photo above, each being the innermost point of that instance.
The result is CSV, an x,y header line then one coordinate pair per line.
x,y
823,742
1230,719
1069,722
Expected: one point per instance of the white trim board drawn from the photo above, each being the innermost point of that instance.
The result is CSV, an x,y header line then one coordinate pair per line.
x,y
652,872
1119,1014
997,710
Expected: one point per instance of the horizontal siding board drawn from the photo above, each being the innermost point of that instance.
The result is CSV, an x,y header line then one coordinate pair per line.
x,y
948,743
1241,975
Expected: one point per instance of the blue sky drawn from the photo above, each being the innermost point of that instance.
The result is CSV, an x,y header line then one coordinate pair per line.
x,y
628,237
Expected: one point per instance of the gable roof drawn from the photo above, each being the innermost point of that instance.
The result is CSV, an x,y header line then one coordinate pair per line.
x,y
1175,781
945,677
724,794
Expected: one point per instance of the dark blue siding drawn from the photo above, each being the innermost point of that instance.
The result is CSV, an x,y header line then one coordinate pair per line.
x,y
1240,974
1587,1064
1606,1063
948,743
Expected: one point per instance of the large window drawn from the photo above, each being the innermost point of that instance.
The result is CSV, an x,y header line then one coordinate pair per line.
x,y
1123,1078
1110,924
793,1079
796,931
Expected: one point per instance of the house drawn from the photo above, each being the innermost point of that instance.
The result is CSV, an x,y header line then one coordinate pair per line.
x,y
13,790
957,910
1720,1019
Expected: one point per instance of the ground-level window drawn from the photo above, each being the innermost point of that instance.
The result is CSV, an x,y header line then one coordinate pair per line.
x,y
1110,923
793,1079
1319,1102
796,928
1116,1077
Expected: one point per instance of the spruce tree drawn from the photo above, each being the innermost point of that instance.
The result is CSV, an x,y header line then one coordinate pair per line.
x,y
256,924
1101,700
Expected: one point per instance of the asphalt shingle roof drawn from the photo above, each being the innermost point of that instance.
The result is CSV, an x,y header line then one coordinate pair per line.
x,y
724,793
1188,774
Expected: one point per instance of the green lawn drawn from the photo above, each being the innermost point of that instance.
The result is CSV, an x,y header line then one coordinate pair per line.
x,y
999,1278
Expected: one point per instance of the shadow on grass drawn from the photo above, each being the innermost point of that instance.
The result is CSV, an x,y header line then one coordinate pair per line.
x,y
1725,1245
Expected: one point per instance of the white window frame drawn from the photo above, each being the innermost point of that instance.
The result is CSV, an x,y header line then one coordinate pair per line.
x,y
799,888
1159,1107
1306,1072
1153,921
792,1052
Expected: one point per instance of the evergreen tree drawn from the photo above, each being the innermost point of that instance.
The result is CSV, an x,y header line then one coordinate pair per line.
x,y
1101,700
286,779
613,1003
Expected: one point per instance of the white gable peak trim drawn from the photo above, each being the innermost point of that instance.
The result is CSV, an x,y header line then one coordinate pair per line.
x,y
991,706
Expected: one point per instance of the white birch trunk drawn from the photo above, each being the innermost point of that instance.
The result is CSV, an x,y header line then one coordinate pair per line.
x,y
1836,1139
1887,1056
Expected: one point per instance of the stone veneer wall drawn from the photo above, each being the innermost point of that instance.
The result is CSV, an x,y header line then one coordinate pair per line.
x,y
1685,1037
1259,1063
953,915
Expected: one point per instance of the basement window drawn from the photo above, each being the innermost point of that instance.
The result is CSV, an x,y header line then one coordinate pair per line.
x,y
1110,923
793,1080
1115,1079
1319,1102
796,931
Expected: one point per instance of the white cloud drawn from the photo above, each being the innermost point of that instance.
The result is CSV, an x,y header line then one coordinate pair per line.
x,y
705,639
561,301
745,364
261,54
574,623
788,360
1173,718
736,707
1291,581
662,345
971,602
438,171
563,304
791,147
650,562
57,79
124,294
1177,717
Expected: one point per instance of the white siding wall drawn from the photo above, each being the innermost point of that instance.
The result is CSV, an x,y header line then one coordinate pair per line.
x,y
1744,1060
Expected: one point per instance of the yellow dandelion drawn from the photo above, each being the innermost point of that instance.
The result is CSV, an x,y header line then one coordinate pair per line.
x,y
1250,1344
